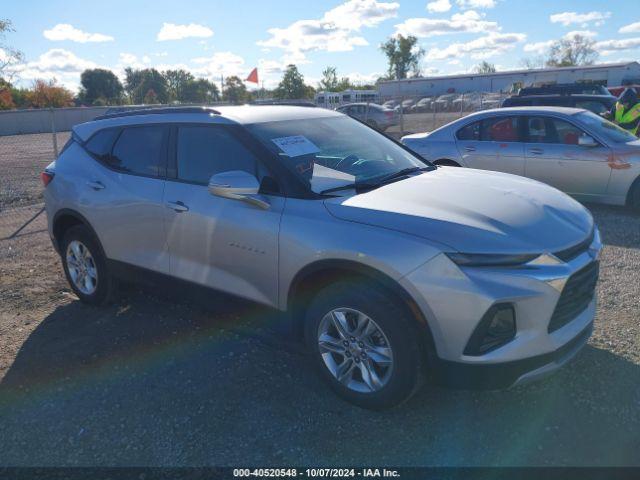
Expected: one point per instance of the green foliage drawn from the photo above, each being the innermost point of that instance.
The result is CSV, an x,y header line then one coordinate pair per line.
x,y
235,90
292,85
330,82
571,52
177,80
49,95
403,55
199,91
100,87
148,83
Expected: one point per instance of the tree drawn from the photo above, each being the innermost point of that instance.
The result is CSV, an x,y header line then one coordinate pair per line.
x,y
330,82
138,84
8,56
572,51
49,94
485,67
6,98
177,80
403,55
532,63
199,91
235,90
292,85
100,86
150,98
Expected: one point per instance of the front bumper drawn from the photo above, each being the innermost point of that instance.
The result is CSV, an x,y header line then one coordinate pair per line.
x,y
454,299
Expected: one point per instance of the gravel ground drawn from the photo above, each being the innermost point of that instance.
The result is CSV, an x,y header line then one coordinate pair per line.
x,y
158,380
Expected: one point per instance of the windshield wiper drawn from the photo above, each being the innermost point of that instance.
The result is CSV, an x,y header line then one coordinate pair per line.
x,y
399,174
348,186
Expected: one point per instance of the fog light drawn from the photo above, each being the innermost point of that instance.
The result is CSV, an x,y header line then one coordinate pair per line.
x,y
497,327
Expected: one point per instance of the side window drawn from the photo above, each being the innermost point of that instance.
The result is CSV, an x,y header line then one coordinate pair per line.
x,y
552,130
203,151
100,144
500,129
140,150
470,132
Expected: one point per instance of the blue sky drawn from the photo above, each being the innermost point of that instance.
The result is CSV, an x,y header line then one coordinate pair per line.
x,y
210,38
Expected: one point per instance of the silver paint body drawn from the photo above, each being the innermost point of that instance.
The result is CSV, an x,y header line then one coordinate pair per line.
x,y
583,172
401,230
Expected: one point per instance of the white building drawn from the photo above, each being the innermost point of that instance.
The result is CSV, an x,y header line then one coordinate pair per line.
x,y
335,99
608,74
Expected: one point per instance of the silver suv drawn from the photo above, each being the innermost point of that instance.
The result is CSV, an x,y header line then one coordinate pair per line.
x,y
388,267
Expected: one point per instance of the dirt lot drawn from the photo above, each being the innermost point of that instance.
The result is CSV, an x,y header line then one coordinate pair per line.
x,y
159,380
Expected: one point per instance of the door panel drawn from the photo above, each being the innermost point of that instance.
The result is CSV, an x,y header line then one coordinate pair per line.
x,y
225,244
554,157
124,195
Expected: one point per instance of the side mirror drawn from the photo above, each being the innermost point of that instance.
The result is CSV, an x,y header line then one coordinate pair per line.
x,y
237,185
587,141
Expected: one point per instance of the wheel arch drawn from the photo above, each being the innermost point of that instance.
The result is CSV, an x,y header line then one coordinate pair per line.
x,y
67,218
635,185
319,274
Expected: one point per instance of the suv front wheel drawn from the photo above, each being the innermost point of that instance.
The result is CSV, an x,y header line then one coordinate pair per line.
x,y
364,344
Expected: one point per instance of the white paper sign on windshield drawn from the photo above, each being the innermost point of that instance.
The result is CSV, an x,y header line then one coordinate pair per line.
x,y
296,145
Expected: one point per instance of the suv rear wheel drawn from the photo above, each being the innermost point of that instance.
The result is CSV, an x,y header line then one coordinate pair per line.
x,y
364,344
85,266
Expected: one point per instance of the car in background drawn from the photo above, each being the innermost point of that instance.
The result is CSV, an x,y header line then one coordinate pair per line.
x,y
423,105
571,149
617,91
565,89
595,103
372,114
389,269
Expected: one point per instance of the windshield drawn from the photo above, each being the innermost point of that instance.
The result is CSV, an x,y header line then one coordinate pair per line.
x,y
332,152
605,128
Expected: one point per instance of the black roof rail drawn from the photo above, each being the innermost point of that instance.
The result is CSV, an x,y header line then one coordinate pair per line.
x,y
158,110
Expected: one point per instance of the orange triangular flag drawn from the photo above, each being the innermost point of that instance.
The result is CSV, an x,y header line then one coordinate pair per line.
x,y
253,76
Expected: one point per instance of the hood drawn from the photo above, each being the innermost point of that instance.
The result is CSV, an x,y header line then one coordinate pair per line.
x,y
472,211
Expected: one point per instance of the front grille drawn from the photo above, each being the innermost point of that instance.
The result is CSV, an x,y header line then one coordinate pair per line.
x,y
576,296
570,253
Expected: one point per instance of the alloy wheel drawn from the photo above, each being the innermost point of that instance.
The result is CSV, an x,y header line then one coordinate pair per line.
x,y
355,350
82,267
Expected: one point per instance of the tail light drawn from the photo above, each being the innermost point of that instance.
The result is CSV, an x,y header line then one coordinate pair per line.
x,y
389,114
46,177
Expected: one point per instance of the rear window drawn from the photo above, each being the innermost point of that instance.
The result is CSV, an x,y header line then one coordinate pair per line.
x,y
470,132
100,144
140,150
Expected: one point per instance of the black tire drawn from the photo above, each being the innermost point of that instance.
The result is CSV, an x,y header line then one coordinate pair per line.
x,y
395,322
446,163
373,124
634,196
105,284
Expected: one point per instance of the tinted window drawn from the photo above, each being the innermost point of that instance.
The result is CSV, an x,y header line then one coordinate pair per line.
x,y
100,144
500,129
552,130
605,128
205,151
470,132
139,150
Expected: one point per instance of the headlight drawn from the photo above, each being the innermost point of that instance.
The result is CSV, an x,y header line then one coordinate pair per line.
x,y
489,260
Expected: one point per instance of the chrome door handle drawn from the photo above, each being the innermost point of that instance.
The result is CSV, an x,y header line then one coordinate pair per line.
x,y
470,149
177,206
536,151
96,185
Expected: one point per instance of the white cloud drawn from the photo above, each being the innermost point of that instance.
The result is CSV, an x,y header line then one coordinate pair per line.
x,y
476,3
538,47
439,6
571,18
56,63
64,31
171,31
220,63
582,33
482,47
469,21
334,32
607,47
631,28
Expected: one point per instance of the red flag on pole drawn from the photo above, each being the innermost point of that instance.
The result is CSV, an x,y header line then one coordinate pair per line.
x,y
253,76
